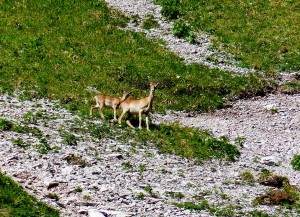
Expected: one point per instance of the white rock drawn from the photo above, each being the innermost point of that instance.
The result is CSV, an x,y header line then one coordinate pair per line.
x,y
95,213
271,161
67,170
270,107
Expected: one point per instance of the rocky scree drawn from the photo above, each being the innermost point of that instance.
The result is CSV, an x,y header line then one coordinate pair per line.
x,y
113,177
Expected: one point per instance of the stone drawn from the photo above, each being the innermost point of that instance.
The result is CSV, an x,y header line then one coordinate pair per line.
x,y
67,170
51,184
95,213
271,161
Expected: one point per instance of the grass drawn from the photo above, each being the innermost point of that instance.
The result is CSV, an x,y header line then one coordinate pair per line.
x,y
262,34
295,162
14,201
192,206
49,52
184,141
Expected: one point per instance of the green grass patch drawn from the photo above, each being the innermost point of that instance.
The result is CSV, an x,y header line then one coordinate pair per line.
x,y
192,206
14,201
263,34
56,49
184,141
149,22
295,162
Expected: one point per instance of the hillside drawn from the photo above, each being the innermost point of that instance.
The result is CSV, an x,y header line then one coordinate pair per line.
x,y
54,62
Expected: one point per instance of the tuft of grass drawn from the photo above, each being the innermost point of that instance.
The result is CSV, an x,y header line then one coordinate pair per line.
x,y
101,131
20,143
170,8
257,213
295,162
127,166
43,147
76,160
149,190
247,176
140,196
149,22
227,211
175,195
69,138
14,201
142,168
192,206
5,124
183,30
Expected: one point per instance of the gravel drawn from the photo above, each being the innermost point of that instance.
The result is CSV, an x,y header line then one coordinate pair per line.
x,y
269,125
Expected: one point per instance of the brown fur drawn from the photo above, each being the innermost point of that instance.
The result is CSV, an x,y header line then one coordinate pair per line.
x,y
103,100
138,106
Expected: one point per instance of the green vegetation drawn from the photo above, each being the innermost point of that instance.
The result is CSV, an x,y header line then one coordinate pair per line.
x,y
149,190
140,196
51,53
43,147
57,49
192,206
257,213
227,211
296,162
76,160
142,168
247,177
183,30
184,141
175,195
19,142
263,34
14,201
5,124
127,166
149,22
69,138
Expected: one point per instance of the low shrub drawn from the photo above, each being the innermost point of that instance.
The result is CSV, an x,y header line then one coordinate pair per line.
x,y
5,124
183,30
296,162
169,9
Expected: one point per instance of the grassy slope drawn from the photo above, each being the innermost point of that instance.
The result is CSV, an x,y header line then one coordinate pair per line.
x,y
264,34
14,201
60,48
